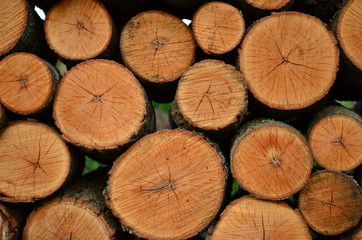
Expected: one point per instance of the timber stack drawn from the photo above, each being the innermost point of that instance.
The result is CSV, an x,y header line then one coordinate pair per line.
x,y
263,102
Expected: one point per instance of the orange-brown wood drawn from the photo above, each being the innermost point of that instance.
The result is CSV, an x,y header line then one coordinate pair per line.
x,y
289,60
336,139
218,27
27,83
100,105
331,202
157,46
268,4
349,31
13,20
66,219
34,161
211,95
251,218
78,30
270,159
168,185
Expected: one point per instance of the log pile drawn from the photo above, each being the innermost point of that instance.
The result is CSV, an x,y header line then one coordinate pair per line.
x,y
263,97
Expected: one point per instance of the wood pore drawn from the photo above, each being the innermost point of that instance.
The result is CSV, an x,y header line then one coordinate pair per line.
x,y
168,185
289,60
270,159
218,27
34,161
330,202
250,218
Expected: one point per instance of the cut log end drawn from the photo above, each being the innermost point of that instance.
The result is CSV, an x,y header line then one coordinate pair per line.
x,y
336,142
183,176
251,218
99,104
271,160
349,31
331,202
26,83
34,161
13,20
288,67
268,4
67,219
211,95
78,30
218,27
157,46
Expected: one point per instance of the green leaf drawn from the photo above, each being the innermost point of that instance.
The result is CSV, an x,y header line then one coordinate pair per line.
x,y
92,164
347,104
235,188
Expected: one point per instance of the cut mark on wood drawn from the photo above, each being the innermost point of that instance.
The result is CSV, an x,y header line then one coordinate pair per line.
x,y
23,81
158,43
276,162
165,185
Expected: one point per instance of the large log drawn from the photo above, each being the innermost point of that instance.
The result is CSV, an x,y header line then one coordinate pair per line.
x,y
218,27
158,47
78,30
34,162
331,202
168,185
27,84
102,108
270,159
211,96
77,212
252,218
289,61
335,137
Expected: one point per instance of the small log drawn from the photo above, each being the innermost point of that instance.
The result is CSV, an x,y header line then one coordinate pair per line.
x,y
211,96
270,159
348,30
27,84
3,118
335,137
331,202
250,218
34,162
158,47
218,27
289,61
77,212
78,30
102,108
174,192
12,220
21,29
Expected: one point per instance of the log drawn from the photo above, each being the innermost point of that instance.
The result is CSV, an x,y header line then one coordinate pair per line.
x,y
174,192
78,30
27,84
289,61
102,108
3,118
34,162
348,30
21,29
158,48
218,27
251,218
335,137
211,96
12,220
331,202
270,159
256,9
77,212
